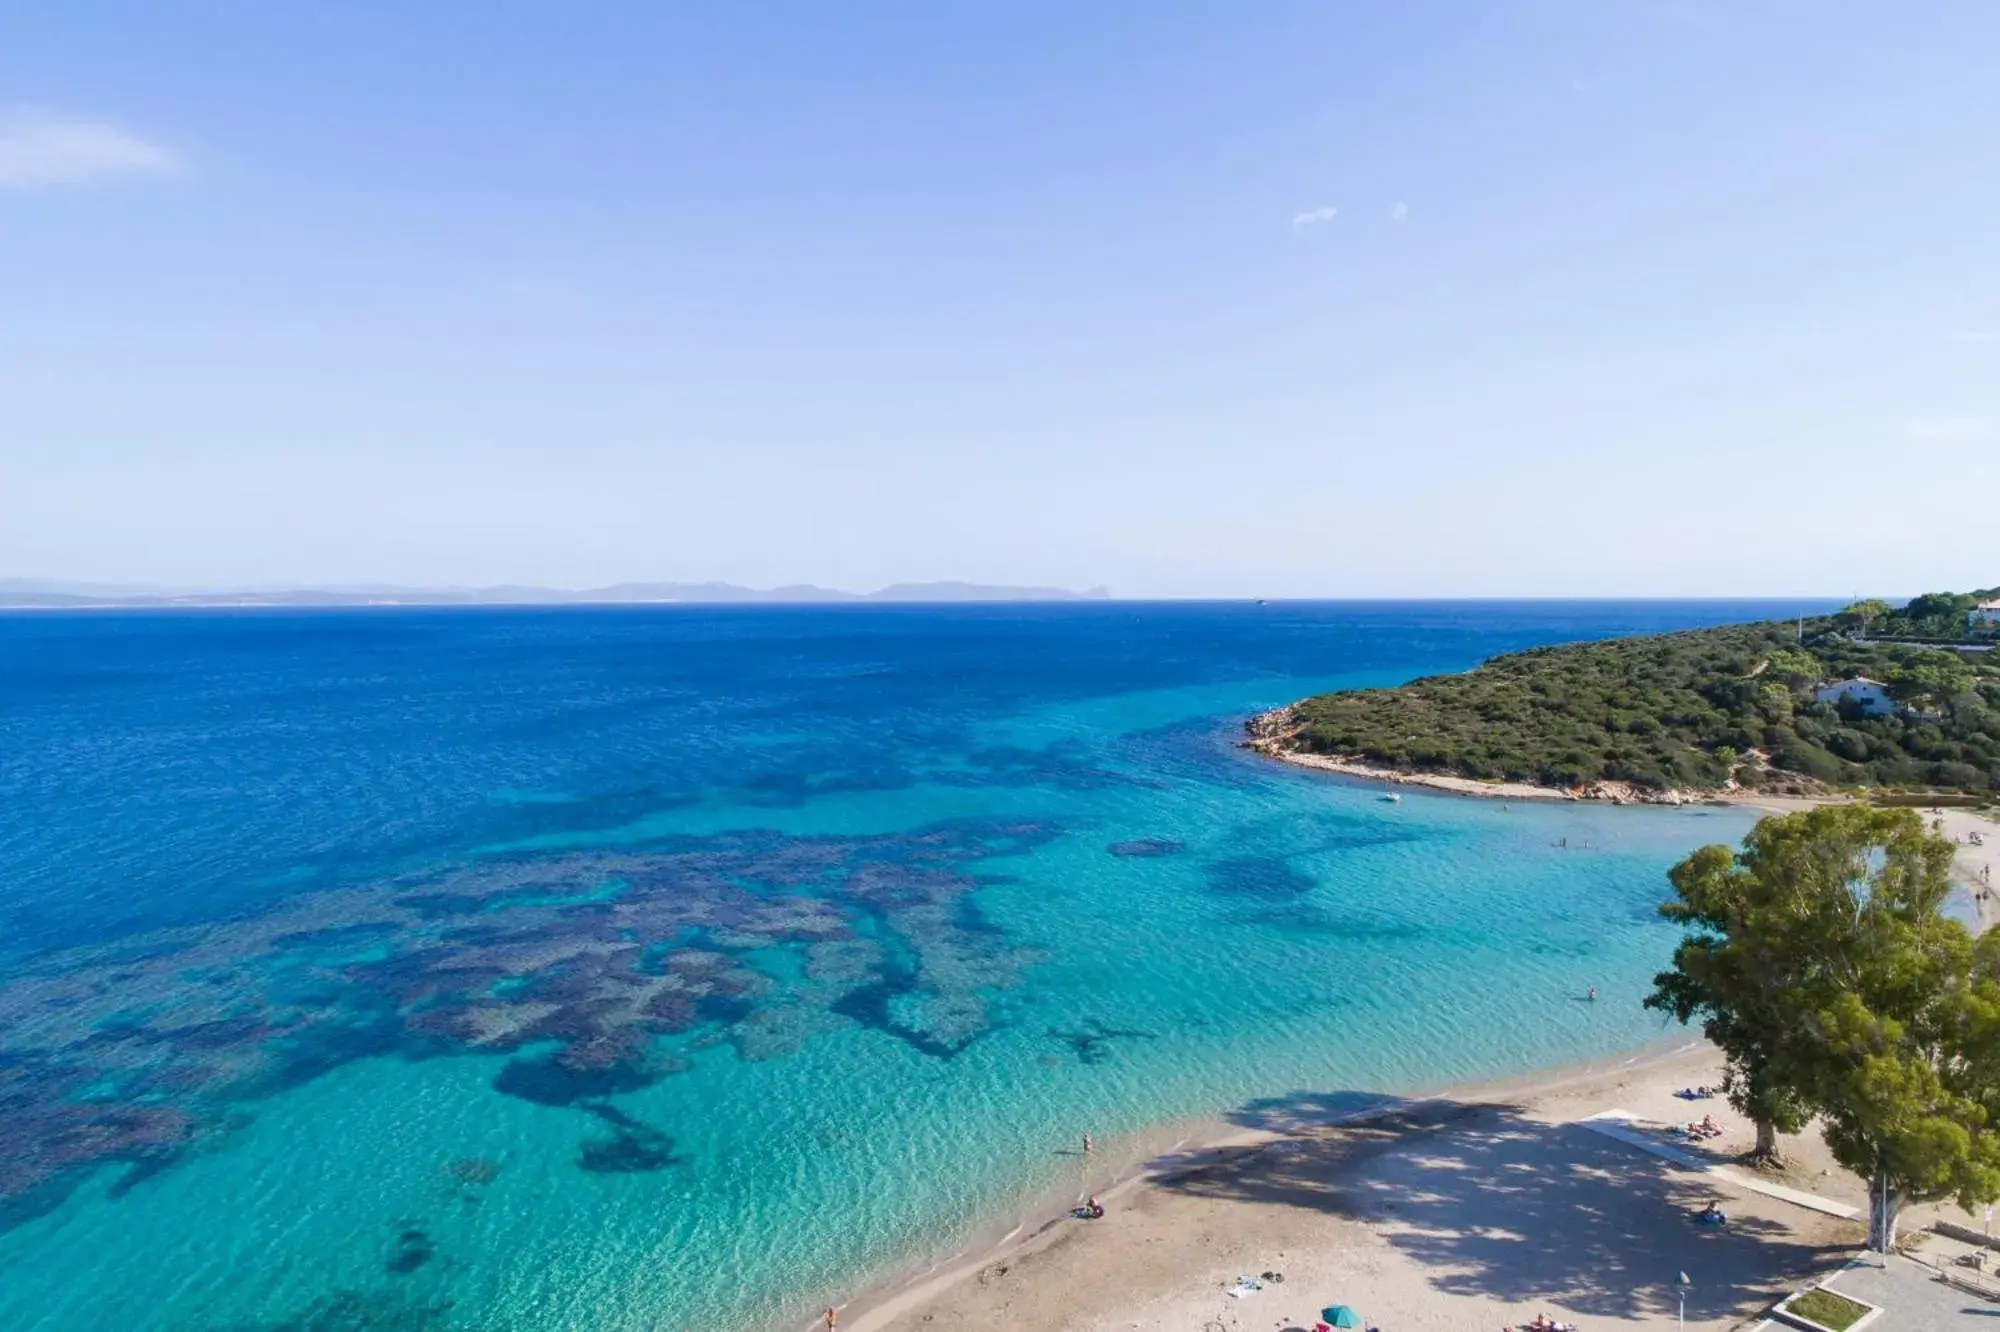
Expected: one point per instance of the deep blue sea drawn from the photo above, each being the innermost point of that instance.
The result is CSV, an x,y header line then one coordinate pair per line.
x,y
660,968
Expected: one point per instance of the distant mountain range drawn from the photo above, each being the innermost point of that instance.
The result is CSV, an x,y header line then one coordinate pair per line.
x,y
43,594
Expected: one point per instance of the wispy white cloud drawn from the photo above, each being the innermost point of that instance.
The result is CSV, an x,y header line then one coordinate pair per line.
x,y
42,151
1940,429
1314,216
1398,211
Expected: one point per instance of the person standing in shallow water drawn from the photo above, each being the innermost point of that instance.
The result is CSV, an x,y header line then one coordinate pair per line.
x,y
1088,1145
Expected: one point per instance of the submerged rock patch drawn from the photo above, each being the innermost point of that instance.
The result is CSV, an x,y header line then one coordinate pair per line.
x,y
1146,848
1265,878
1092,1043
413,1248
588,966
632,1148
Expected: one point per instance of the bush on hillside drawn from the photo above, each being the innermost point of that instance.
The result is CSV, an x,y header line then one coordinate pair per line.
x,y
1691,709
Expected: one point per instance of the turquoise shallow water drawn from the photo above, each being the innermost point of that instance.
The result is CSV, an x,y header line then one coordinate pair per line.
x,y
641,972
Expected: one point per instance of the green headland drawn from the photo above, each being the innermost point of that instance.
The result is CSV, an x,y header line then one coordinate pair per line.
x,y
1902,699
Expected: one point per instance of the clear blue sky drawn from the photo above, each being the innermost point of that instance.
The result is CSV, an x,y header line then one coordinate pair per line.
x,y
1187,299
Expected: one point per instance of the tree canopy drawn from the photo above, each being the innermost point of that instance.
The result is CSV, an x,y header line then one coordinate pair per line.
x,y
1720,975
1820,960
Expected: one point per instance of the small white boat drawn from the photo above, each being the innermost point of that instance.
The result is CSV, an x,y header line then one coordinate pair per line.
x,y
1391,796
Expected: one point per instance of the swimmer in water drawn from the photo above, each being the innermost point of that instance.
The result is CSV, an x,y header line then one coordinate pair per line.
x,y
1088,1145
1592,995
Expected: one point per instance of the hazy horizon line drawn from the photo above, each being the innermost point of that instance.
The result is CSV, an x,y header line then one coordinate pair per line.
x,y
41,593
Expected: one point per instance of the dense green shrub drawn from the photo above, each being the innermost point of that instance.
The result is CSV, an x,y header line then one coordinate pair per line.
x,y
1693,709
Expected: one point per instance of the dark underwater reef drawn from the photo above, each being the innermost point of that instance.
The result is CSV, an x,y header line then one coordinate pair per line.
x,y
599,972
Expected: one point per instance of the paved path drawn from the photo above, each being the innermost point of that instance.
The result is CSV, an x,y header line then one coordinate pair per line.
x,y
1912,1300
1628,1128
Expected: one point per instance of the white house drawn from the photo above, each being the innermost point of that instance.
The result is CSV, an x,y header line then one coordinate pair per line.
x,y
1868,697
1986,615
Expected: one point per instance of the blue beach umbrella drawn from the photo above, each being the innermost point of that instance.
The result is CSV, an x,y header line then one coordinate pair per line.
x,y
1339,1315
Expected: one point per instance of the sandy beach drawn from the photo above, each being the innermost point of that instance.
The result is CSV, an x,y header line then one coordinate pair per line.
x,y
1478,1207
1438,781
1977,864
1611,793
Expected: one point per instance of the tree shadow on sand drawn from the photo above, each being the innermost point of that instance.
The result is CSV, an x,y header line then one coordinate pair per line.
x,y
1496,1205
1302,1112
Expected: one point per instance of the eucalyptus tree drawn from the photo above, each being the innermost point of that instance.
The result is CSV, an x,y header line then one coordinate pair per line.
x,y
1819,959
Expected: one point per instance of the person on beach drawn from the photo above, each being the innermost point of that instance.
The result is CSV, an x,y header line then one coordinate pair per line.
x,y
1093,1209
832,1317
1088,1145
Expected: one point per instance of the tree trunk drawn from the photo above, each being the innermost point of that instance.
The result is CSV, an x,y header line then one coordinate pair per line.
x,y
1767,1142
1885,1206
